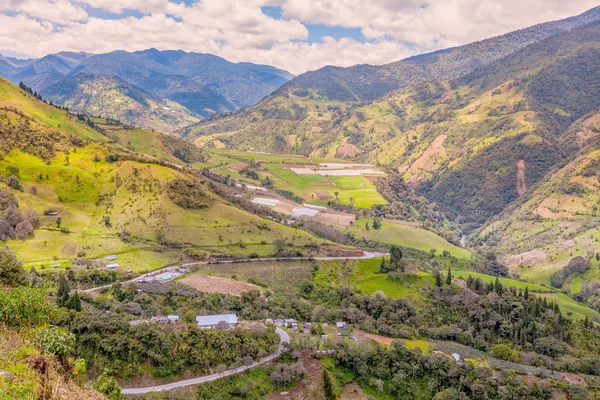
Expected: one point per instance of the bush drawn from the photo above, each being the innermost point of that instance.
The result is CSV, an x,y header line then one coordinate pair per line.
x,y
189,194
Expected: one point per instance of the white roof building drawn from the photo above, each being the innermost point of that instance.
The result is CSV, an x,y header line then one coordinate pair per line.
x,y
111,257
112,266
211,321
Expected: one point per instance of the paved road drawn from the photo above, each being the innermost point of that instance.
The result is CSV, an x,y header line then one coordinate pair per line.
x,y
283,337
173,268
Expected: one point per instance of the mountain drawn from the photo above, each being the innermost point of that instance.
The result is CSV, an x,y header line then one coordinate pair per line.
x,y
472,144
366,82
188,86
112,97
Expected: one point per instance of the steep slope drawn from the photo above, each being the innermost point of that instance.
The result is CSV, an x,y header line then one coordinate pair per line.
x,y
114,201
472,145
109,96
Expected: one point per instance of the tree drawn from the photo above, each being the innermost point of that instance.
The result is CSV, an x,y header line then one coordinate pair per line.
x,y
32,216
58,221
396,258
336,195
109,386
367,226
13,183
376,224
498,287
449,277
62,293
11,269
383,266
328,385
24,229
438,279
74,302
526,294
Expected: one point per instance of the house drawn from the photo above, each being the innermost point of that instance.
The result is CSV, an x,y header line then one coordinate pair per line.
x,y
291,322
279,322
160,320
354,337
340,325
111,257
211,321
112,266
325,324
324,337
456,357
52,214
173,318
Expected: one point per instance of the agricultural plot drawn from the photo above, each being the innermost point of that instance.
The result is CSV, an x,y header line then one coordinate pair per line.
x,y
407,236
315,188
283,275
211,284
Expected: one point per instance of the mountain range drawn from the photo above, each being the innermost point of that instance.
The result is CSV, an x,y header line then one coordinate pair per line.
x,y
488,131
161,90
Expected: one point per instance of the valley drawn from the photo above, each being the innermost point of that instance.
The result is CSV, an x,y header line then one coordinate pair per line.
x,y
174,225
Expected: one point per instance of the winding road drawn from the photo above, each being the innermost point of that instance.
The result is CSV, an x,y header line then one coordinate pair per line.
x,y
283,337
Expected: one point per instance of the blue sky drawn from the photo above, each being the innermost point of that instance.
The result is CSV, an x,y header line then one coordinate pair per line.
x,y
296,35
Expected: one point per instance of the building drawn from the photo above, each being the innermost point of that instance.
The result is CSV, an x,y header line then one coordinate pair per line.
x,y
354,337
112,266
279,322
340,325
173,318
211,321
111,257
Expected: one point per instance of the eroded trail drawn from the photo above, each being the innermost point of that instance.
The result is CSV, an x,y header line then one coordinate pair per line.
x,y
521,183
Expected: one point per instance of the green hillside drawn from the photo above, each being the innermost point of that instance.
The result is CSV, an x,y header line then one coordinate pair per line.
x,y
110,200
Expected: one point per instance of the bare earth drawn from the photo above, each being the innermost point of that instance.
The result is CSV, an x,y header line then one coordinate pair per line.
x,y
211,284
528,259
353,392
379,339
547,213
435,148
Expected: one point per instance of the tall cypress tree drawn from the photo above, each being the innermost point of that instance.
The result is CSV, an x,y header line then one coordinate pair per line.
x,y
498,287
62,294
449,277
438,279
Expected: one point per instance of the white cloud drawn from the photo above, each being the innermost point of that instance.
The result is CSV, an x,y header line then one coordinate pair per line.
x,y
57,11
239,31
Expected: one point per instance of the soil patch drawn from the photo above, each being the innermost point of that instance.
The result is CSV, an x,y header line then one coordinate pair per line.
x,y
338,219
549,214
238,167
379,339
435,149
333,250
346,150
528,258
312,371
211,284
323,195
371,178
353,392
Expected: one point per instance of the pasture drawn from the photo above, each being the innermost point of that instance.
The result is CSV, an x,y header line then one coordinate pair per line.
x,y
394,233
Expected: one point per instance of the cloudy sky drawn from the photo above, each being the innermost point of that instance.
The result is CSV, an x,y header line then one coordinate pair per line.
x,y
297,35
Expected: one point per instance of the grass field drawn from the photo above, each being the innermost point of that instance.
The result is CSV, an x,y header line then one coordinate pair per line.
x,y
568,305
407,236
134,197
505,281
365,275
314,189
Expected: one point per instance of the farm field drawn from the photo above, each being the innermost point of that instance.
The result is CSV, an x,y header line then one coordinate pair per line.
x,y
314,189
285,276
211,284
407,236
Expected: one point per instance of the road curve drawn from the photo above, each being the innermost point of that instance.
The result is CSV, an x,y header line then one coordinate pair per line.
x,y
172,268
283,337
